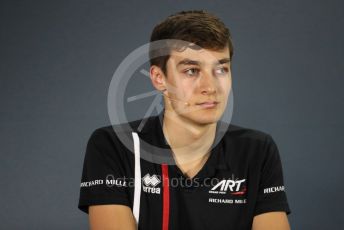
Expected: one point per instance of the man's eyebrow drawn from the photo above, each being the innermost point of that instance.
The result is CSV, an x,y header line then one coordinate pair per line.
x,y
188,61
224,60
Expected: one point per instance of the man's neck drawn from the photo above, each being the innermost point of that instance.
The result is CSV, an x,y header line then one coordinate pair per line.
x,y
190,142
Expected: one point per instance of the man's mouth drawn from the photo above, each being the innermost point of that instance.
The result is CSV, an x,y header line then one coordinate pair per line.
x,y
208,104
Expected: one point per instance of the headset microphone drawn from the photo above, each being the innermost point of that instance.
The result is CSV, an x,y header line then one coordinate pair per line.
x,y
185,103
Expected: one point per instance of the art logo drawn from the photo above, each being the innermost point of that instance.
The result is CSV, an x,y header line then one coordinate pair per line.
x,y
231,186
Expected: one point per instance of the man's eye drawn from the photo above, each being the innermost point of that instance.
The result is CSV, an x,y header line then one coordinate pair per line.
x,y
222,71
192,72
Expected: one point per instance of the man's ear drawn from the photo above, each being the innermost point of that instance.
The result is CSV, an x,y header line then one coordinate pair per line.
x,y
157,77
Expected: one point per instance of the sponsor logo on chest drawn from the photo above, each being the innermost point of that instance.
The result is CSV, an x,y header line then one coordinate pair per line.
x,y
149,184
235,188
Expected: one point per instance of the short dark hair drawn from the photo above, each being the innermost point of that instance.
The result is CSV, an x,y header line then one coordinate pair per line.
x,y
196,26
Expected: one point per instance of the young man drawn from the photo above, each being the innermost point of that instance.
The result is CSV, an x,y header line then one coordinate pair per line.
x,y
224,178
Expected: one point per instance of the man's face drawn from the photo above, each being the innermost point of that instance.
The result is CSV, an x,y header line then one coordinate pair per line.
x,y
199,78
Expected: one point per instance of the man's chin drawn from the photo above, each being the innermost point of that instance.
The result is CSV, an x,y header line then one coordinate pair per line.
x,y
205,119
202,117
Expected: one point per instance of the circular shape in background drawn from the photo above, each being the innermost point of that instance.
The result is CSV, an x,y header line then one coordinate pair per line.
x,y
116,99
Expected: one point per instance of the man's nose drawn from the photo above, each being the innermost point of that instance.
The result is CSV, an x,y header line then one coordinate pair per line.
x,y
207,83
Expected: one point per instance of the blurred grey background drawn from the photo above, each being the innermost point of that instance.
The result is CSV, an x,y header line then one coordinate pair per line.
x,y
57,61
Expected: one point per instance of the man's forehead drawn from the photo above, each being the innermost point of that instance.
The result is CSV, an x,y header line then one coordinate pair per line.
x,y
200,55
